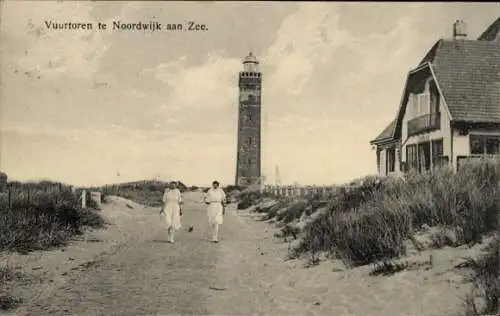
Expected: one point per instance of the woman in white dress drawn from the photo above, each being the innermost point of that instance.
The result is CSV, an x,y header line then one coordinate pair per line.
x,y
172,200
215,198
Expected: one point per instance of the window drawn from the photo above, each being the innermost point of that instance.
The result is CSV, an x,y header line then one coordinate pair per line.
x,y
250,141
411,157
424,156
483,144
410,105
476,145
423,104
492,146
434,97
391,159
418,104
437,153
378,160
250,117
413,105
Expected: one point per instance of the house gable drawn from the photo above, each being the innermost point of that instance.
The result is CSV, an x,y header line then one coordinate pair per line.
x,y
417,75
467,76
393,130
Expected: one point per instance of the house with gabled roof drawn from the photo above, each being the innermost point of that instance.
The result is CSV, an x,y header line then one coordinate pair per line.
x,y
450,107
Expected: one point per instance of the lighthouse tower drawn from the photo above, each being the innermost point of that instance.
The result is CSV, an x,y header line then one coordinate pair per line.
x,y
248,161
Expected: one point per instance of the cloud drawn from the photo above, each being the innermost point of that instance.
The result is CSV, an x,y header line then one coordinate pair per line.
x,y
95,157
211,85
75,53
86,134
312,79
305,39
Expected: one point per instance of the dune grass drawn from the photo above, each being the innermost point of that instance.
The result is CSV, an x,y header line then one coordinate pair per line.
x,y
8,275
44,218
484,298
373,222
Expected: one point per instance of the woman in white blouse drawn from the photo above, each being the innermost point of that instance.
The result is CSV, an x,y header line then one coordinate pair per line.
x,y
215,198
172,200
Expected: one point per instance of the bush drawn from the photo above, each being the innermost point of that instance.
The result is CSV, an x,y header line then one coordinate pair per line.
x,y
371,223
230,188
248,198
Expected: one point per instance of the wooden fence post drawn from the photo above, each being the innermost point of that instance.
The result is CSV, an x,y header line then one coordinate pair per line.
x,y
84,199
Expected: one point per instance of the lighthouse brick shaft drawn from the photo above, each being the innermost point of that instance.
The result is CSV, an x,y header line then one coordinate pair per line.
x,y
248,165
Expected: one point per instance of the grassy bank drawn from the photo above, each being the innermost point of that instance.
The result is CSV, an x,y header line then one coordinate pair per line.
x,y
375,220
39,216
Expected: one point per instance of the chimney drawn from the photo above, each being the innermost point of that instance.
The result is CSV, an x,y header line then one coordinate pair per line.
x,y
459,30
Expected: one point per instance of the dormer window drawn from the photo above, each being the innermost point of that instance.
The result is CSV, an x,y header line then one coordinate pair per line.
x,y
424,99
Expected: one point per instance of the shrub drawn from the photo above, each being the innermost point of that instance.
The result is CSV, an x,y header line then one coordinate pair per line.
x,y
248,198
230,188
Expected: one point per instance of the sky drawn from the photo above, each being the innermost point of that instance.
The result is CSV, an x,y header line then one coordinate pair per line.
x,y
96,107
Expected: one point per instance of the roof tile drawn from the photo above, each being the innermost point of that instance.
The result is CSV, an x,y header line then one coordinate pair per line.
x,y
468,72
386,133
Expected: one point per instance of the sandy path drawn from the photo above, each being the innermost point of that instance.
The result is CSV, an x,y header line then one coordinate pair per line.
x,y
132,271
140,274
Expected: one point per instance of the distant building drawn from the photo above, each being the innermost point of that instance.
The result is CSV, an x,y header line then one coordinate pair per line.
x,y
248,161
450,108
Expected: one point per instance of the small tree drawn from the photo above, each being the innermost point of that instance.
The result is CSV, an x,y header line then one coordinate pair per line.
x,y
3,181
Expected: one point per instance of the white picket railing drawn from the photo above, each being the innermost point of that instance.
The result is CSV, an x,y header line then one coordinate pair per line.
x,y
293,191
